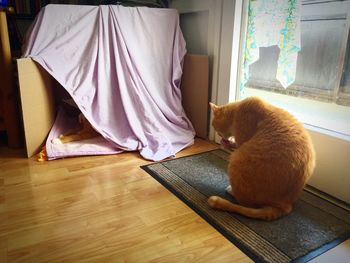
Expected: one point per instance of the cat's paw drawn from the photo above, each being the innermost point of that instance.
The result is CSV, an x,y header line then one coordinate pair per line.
x,y
56,141
228,144
212,201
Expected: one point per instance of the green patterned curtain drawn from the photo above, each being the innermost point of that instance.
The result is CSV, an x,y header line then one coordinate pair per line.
x,y
272,22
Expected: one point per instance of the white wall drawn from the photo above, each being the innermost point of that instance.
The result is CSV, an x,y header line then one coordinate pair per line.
x,y
208,27
332,172
196,40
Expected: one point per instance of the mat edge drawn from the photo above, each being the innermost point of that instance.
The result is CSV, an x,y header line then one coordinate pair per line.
x,y
243,248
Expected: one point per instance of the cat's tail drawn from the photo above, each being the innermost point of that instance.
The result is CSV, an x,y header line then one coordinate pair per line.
x,y
266,213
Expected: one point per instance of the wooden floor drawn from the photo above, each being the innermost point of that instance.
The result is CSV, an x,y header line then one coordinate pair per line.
x,y
100,209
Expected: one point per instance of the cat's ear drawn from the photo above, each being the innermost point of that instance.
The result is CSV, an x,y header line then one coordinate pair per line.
x,y
213,107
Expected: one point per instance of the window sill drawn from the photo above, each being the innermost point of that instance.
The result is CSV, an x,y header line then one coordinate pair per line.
x,y
322,117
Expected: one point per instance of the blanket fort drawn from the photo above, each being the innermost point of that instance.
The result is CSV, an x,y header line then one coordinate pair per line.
x,y
122,66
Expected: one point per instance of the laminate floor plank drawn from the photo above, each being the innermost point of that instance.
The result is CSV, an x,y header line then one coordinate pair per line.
x,y
100,209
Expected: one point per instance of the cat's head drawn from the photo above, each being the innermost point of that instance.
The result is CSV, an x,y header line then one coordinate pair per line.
x,y
222,120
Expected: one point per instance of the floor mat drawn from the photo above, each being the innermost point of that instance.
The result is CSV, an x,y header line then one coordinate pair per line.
x,y
314,226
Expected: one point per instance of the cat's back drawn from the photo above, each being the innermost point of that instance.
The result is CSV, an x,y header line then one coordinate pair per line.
x,y
279,136
281,127
272,164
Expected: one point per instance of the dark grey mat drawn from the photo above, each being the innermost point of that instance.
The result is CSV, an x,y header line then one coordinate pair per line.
x,y
313,227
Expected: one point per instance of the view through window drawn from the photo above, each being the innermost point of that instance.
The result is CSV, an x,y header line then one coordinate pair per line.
x,y
323,63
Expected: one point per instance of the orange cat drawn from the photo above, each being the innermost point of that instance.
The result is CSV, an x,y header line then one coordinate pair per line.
x,y
273,160
84,132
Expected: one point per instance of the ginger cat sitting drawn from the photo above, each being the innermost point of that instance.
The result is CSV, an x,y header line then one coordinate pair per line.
x,y
84,132
273,160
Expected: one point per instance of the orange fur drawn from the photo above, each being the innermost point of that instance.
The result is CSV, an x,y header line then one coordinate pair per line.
x,y
84,132
273,161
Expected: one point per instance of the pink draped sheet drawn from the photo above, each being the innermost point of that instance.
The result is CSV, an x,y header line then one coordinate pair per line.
x,y
123,67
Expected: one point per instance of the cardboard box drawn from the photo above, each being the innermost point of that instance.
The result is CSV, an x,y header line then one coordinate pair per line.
x,y
37,93
195,92
37,103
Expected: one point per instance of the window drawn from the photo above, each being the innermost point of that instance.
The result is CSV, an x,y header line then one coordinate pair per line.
x,y
322,82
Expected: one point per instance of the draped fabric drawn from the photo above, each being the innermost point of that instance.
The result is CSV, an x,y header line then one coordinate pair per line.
x,y
273,22
122,66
